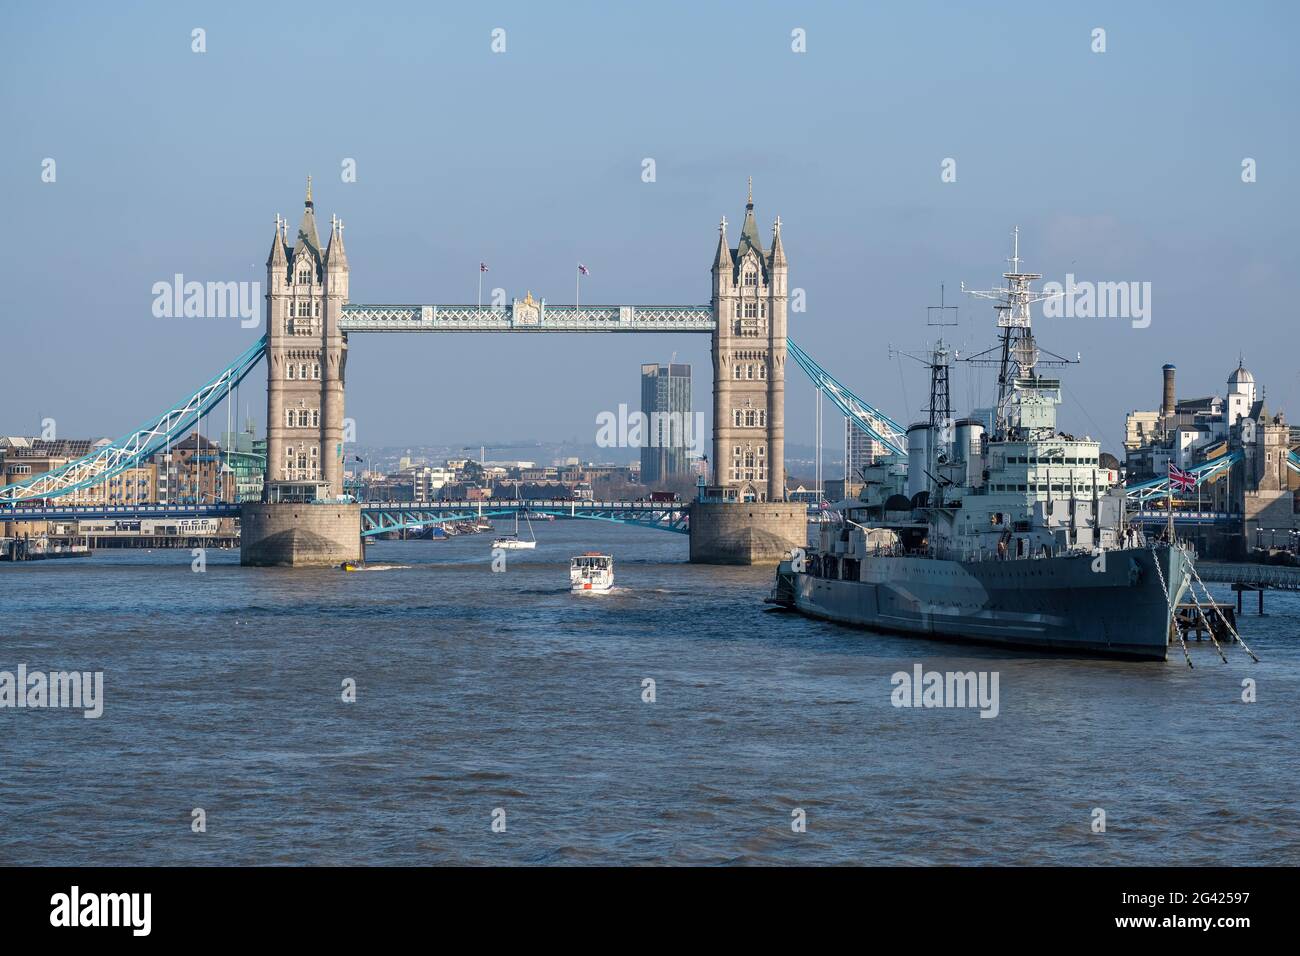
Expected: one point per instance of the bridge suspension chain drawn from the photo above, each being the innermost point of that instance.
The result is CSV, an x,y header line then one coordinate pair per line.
x,y
866,417
113,459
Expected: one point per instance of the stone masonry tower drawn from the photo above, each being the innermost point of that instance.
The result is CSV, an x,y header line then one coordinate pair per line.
x,y
306,290
749,352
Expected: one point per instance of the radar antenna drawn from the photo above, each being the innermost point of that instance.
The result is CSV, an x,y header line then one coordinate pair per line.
x,y
1017,353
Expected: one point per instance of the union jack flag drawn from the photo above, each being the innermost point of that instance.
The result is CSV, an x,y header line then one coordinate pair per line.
x,y
482,267
583,269
1180,480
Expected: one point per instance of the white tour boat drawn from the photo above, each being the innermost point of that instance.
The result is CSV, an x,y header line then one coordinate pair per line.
x,y
591,571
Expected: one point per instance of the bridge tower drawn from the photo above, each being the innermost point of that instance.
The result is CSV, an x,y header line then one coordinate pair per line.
x,y
302,519
306,289
743,517
749,352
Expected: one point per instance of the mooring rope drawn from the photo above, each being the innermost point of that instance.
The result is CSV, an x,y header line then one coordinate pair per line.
x,y
1228,624
1191,592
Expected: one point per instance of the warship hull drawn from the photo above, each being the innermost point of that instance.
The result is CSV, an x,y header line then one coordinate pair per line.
x,y
1073,604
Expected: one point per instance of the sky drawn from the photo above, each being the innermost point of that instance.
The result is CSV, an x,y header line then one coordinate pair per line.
x,y
1118,166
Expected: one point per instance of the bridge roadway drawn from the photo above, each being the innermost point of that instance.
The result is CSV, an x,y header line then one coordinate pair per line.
x,y
1255,575
380,516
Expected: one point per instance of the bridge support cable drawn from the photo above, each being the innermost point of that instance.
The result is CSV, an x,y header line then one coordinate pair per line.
x,y
136,446
866,417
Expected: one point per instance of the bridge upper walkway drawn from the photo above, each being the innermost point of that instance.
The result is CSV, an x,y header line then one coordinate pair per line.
x,y
527,317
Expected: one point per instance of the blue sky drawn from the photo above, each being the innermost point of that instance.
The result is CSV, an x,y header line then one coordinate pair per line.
x,y
1118,166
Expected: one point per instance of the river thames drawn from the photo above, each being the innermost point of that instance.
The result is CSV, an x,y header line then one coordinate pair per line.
x,y
485,697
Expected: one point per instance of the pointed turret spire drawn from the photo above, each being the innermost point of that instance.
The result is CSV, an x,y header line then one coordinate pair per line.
x,y
749,231
336,257
277,256
778,251
722,260
307,235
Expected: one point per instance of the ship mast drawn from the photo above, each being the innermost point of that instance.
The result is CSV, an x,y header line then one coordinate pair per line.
x,y
1017,353
937,358
940,359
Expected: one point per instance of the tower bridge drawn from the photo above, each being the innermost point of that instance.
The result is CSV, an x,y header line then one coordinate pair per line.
x,y
310,318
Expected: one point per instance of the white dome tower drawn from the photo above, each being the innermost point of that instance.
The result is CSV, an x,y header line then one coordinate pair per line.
x,y
1241,393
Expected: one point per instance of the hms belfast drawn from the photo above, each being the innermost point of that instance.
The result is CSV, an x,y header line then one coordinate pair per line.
x,y
995,529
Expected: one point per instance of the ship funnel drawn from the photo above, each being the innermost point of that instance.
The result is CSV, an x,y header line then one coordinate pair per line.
x,y
968,449
1170,401
918,458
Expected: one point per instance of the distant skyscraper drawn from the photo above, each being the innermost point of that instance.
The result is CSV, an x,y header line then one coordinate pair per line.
x,y
666,404
860,450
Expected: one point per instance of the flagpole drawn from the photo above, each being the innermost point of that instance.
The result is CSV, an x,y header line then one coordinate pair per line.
x,y
480,286
577,288
1169,503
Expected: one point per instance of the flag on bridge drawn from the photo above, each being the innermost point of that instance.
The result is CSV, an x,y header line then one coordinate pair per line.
x,y
1180,480
482,267
583,269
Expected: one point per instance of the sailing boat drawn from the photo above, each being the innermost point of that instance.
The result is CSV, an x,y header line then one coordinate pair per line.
x,y
513,541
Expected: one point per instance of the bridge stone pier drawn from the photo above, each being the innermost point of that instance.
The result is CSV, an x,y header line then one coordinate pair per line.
x,y
320,534
304,519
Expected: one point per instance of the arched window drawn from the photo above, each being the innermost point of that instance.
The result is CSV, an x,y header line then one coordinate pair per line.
x,y
736,418
735,370
315,418
290,369
751,278
749,371
290,420
762,371
315,370
304,276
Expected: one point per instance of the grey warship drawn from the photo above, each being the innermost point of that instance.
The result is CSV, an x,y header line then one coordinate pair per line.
x,y
996,528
